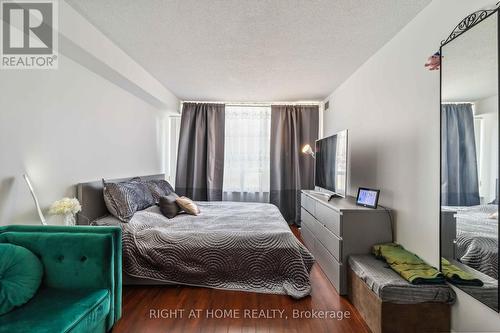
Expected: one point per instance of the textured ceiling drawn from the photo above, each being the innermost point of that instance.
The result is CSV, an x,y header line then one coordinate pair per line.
x,y
239,50
470,64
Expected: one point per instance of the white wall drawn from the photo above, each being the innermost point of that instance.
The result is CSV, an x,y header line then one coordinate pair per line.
x,y
174,127
90,118
84,43
391,107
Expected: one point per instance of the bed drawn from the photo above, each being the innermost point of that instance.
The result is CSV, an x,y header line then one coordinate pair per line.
x,y
230,245
477,238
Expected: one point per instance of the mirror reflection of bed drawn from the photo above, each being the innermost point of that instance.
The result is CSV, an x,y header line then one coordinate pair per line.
x,y
469,161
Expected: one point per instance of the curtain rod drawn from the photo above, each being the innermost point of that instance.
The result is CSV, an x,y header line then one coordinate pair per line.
x,y
256,103
458,103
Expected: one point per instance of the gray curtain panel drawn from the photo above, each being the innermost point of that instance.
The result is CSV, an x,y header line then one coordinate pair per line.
x,y
459,171
200,161
291,128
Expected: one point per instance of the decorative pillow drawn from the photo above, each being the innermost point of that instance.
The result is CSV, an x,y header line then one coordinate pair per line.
x,y
125,198
20,276
168,206
159,188
188,205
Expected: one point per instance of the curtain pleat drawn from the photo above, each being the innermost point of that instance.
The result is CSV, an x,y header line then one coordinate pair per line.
x,y
459,171
292,126
200,161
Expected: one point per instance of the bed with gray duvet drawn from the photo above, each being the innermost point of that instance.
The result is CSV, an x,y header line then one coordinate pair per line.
x,y
230,245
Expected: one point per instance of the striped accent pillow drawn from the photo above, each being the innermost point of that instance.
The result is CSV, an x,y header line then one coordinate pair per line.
x,y
125,198
159,188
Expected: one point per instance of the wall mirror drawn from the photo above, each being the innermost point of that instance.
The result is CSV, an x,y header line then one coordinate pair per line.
x,y
469,157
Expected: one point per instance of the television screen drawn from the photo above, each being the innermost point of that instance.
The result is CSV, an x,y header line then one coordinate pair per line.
x,y
331,163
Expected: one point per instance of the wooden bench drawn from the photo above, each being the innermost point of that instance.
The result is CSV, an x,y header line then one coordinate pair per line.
x,y
406,314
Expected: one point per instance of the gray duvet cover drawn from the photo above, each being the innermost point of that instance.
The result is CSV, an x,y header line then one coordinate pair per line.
x,y
230,245
477,238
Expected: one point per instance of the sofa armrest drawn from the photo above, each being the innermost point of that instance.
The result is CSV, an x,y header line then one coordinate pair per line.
x,y
80,257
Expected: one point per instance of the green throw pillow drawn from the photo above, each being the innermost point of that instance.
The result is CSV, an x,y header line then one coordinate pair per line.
x,y
20,276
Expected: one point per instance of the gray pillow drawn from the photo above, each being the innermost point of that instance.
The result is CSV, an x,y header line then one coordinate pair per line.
x,y
159,188
125,198
168,205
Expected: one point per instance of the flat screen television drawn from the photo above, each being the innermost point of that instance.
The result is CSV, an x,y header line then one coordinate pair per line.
x,y
330,174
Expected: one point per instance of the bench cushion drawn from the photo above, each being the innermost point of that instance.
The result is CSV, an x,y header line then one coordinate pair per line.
x,y
390,287
59,310
488,293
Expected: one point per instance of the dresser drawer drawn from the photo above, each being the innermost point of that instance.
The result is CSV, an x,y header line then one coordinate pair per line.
x,y
331,242
308,203
330,266
330,218
310,222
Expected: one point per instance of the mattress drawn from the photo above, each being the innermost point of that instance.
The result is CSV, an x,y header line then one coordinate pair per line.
x,y
391,287
230,245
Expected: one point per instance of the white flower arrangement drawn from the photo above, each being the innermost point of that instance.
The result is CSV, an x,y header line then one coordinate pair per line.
x,y
65,206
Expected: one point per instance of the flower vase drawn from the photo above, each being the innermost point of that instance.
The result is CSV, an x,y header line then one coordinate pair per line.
x,y
69,220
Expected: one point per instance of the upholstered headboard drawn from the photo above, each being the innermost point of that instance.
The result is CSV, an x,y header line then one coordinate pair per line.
x,y
92,200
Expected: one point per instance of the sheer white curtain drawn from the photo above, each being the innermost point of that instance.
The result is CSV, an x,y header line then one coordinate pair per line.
x,y
246,157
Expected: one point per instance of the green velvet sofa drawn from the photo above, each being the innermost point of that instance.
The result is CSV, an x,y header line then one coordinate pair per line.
x,y
81,288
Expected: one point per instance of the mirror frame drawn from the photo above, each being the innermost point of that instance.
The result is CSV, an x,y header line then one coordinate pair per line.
x,y
465,25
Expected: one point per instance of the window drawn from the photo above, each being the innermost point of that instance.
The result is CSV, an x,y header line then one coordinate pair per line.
x,y
246,156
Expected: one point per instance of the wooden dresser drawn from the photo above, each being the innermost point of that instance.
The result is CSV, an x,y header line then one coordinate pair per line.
x,y
333,230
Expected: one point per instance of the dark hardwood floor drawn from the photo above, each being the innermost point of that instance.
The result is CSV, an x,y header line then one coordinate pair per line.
x,y
152,309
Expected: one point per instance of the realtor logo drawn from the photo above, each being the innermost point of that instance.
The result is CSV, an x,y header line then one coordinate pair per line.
x,y
29,34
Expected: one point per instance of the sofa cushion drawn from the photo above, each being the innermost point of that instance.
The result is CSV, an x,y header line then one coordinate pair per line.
x,y
20,276
60,310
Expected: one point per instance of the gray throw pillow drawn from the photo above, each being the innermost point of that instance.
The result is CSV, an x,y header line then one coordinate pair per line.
x,y
159,188
125,198
168,205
